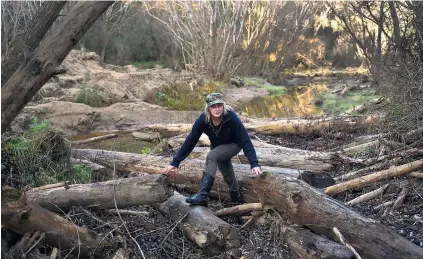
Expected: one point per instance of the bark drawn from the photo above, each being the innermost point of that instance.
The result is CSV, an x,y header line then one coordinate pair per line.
x,y
201,225
21,217
308,245
26,44
374,177
94,139
301,203
287,158
126,192
309,207
32,75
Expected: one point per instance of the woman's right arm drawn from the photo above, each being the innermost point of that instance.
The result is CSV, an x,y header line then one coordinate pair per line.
x,y
190,142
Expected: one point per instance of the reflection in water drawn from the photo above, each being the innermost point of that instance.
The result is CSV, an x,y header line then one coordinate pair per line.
x,y
298,103
123,143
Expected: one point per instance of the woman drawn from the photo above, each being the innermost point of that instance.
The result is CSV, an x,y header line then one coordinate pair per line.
x,y
227,136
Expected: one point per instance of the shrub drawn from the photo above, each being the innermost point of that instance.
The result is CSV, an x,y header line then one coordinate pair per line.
x,y
90,97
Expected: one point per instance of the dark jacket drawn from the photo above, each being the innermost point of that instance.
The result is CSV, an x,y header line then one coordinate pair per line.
x,y
231,130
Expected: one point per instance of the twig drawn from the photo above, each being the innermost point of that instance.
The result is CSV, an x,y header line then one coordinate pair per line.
x,y
36,242
344,242
246,224
54,253
130,212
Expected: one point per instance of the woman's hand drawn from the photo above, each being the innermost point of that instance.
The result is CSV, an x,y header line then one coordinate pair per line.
x,y
171,170
256,170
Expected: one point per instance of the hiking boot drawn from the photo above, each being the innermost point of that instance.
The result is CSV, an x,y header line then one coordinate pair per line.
x,y
202,197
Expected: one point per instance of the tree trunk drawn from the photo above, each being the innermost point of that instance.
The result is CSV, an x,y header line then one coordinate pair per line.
x,y
309,207
21,217
285,158
32,75
201,225
126,192
26,44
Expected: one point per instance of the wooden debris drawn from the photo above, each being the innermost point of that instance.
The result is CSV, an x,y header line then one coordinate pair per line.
x,y
201,225
344,242
368,196
371,178
130,212
239,209
54,253
93,139
416,175
383,205
21,217
121,253
400,200
145,189
361,147
146,136
306,244
308,207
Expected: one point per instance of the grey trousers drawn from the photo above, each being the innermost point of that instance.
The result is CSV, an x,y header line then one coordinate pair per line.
x,y
220,157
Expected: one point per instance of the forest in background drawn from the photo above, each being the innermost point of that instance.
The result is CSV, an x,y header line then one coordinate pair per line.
x,y
222,39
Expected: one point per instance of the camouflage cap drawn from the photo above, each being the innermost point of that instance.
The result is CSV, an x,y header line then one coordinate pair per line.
x,y
214,98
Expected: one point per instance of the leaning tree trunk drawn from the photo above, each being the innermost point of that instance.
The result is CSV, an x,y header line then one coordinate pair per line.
x,y
303,204
34,73
29,40
146,189
21,217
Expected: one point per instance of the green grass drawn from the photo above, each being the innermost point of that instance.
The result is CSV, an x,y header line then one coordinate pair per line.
x,y
338,104
146,64
262,84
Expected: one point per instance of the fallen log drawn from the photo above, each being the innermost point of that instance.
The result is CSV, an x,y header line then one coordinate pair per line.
x,y
374,177
286,158
23,217
416,175
146,136
309,245
308,207
301,203
129,162
201,226
93,139
126,192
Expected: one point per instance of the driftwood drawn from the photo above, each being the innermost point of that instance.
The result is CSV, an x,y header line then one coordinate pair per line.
x,y
21,217
416,175
371,178
93,139
368,196
307,206
243,208
146,136
302,204
126,192
360,147
200,225
309,245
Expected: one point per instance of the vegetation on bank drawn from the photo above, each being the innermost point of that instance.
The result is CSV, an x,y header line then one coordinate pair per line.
x,y
40,156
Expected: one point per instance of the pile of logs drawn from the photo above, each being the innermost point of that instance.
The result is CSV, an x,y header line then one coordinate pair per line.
x,y
297,184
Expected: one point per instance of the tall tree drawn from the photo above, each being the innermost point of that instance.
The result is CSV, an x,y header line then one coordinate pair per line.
x,y
26,43
37,70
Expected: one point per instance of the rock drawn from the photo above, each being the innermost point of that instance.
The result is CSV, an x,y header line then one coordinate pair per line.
x,y
146,136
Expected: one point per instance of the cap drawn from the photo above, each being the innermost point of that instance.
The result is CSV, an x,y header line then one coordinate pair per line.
x,y
214,98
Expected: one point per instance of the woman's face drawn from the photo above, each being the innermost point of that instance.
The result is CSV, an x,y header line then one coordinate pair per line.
x,y
216,110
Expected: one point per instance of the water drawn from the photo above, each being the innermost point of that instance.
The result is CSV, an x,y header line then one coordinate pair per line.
x,y
123,143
